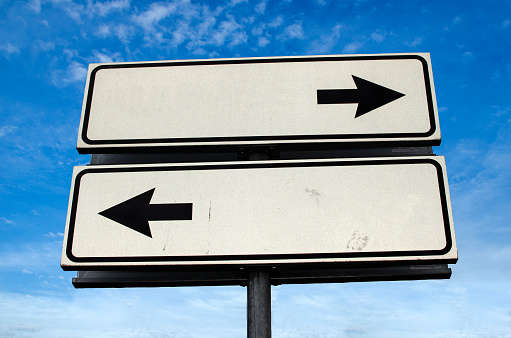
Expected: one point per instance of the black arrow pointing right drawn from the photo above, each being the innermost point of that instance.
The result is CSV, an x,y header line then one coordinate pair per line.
x,y
136,212
368,95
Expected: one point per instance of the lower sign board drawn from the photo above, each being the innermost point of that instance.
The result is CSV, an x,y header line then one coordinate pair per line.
x,y
336,211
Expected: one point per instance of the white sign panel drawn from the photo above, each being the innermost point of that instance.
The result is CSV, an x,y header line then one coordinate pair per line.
x,y
254,101
268,212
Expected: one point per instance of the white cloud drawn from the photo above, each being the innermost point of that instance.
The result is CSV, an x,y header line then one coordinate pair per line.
x,y
43,46
123,32
377,36
326,42
53,235
417,41
105,8
187,22
257,31
35,6
261,7
276,22
70,54
146,312
9,49
468,56
92,8
198,34
233,3
505,23
6,221
178,37
262,41
75,72
105,56
6,130
44,23
72,9
353,47
151,17
155,39
294,31
225,30
103,31
238,38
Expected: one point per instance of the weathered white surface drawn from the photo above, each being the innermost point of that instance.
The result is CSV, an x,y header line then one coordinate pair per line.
x,y
196,102
351,209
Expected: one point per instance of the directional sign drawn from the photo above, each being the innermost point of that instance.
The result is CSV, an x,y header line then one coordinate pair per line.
x,y
256,101
268,212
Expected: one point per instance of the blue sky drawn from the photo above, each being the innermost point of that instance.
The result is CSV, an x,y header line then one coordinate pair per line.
x,y
45,48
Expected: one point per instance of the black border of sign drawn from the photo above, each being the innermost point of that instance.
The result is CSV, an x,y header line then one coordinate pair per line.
x,y
212,140
256,257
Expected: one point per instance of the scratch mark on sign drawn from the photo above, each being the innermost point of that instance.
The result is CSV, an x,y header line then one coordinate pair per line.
x,y
209,216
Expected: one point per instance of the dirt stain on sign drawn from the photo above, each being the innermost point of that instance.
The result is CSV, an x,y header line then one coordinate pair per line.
x,y
358,241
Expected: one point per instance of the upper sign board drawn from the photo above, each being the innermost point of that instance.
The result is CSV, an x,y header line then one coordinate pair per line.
x,y
267,212
256,101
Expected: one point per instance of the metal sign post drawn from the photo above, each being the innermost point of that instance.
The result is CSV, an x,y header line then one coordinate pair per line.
x,y
258,304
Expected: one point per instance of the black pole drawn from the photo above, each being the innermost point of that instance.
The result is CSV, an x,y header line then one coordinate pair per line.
x,y
259,304
258,289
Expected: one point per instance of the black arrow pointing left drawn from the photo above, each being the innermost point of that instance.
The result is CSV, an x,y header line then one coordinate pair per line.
x,y
136,212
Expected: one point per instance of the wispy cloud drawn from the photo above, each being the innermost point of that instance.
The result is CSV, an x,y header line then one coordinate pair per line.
x,y
105,56
75,72
415,42
152,16
262,41
105,8
6,221
53,235
327,42
103,31
261,7
201,312
293,31
34,5
378,36
123,32
229,29
276,22
8,49
4,130
233,3
353,47
43,46
73,10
